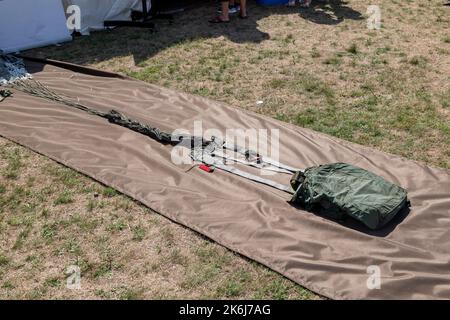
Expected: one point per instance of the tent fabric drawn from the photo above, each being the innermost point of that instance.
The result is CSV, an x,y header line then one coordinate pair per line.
x,y
95,12
333,259
25,25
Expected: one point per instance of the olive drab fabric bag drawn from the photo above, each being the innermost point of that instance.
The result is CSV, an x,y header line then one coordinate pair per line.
x,y
338,190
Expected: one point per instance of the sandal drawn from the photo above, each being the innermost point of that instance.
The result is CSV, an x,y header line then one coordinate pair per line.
x,y
218,19
290,4
305,3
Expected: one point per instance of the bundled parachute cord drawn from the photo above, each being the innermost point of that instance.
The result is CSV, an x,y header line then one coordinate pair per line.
x,y
154,133
37,89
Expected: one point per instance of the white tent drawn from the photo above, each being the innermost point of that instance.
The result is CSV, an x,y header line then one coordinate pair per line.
x,y
94,12
28,24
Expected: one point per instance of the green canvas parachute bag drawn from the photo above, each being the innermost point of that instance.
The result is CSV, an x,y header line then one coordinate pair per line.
x,y
338,190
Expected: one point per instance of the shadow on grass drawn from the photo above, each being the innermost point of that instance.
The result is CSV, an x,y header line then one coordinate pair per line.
x,y
189,26
331,12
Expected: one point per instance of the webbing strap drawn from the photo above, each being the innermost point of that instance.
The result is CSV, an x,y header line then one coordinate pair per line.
x,y
262,165
255,178
218,163
4,94
246,152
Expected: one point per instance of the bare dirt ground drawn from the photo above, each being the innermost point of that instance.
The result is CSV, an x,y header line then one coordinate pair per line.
x,y
319,68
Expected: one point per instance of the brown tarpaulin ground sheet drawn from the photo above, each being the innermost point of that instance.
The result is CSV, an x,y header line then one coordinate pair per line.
x,y
254,220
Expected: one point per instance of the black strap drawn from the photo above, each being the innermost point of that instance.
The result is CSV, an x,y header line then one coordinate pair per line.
x,y
4,94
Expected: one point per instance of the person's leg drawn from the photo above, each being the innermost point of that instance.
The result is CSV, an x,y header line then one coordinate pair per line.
x,y
225,11
224,14
243,12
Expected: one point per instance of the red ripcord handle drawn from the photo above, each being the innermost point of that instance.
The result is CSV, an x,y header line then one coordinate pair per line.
x,y
206,168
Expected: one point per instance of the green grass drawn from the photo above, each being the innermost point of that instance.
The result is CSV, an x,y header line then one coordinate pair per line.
x,y
418,61
92,204
14,164
21,238
103,270
230,289
276,83
68,177
353,49
4,260
49,231
117,226
315,53
131,294
277,290
306,83
139,233
109,192
64,197
444,99
335,61
8,285
53,282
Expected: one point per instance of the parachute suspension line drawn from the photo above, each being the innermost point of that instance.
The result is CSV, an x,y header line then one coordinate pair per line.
x,y
37,89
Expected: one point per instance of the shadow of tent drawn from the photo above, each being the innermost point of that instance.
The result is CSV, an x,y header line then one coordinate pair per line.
x,y
188,26
330,12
